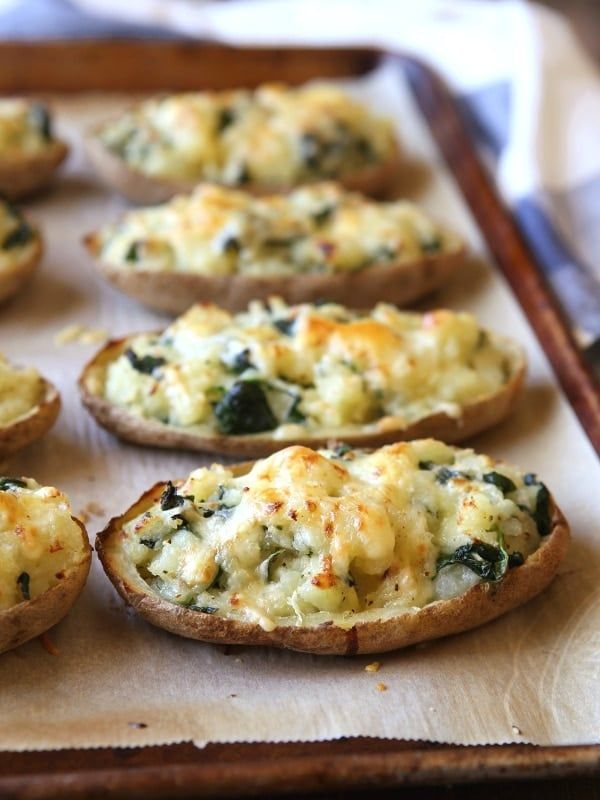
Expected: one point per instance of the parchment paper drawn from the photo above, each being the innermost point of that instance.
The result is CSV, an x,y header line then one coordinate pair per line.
x,y
531,676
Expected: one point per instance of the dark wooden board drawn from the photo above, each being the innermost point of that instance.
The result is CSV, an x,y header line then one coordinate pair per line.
x,y
351,764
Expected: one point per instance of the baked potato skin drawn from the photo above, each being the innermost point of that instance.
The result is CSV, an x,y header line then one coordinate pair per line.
x,y
30,618
399,284
13,279
33,426
142,189
24,176
476,417
480,604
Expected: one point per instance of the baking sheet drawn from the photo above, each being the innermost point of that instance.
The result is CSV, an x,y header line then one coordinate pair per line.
x,y
531,676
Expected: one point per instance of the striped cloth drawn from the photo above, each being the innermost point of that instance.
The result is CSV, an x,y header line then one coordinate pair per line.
x,y
530,94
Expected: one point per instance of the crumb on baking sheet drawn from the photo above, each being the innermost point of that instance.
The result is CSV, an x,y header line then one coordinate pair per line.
x,y
49,645
80,334
382,687
516,730
374,666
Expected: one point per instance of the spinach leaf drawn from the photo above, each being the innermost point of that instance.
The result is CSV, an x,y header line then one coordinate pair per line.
x,y
340,450
170,499
431,244
444,474
294,414
244,409
23,584
19,236
144,364
285,326
500,482
225,119
323,215
149,543
40,119
485,560
427,465
231,244
241,362
11,483
541,515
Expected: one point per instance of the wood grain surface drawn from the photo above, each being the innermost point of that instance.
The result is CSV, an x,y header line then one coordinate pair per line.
x,y
346,765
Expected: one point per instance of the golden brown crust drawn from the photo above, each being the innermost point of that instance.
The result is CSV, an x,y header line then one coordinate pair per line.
x,y
18,273
32,426
476,417
374,180
399,284
480,604
27,174
32,617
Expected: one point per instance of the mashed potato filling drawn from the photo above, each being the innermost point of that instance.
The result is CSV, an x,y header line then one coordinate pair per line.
x,y
297,369
275,135
39,541
308,536
20,391
317,228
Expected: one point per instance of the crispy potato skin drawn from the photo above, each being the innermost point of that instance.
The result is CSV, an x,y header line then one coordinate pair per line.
x,y
399,284
28,619
24,176
143,189
13,279
480,604
476,417
29,428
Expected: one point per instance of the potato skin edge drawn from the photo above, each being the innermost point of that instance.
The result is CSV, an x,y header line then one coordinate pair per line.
x,y
30,618
480,604
32,426
27,175
13,279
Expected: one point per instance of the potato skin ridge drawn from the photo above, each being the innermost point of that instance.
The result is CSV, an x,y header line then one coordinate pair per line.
x,y
480,604
13,279
30,618
24,176
32,426
476,417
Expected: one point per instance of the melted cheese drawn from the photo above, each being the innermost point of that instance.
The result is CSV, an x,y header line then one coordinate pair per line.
x,y
39,541
274,136
319,228
24,128
323,369
315,535
20,391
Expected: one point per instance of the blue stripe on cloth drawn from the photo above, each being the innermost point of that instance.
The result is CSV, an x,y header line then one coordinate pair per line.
x,y
578,290
52,19
487,112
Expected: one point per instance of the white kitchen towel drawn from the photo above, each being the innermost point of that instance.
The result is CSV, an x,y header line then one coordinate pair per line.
x,y
532,96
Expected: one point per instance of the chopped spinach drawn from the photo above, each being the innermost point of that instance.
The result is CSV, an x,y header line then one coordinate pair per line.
x,y
444,474
241,362
530,479
500,482
149,543
225,119
206,609
294,414
23,584
11,483
311,150
40,119
242,176
133,252
231,244
428,465
170,499
341,449
323,215
244,408
431,244
541,514
19,236
285,326
516,559
485,560
208,512
144,364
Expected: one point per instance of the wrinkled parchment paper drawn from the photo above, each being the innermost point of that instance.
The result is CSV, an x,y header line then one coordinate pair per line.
x,y
532,676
